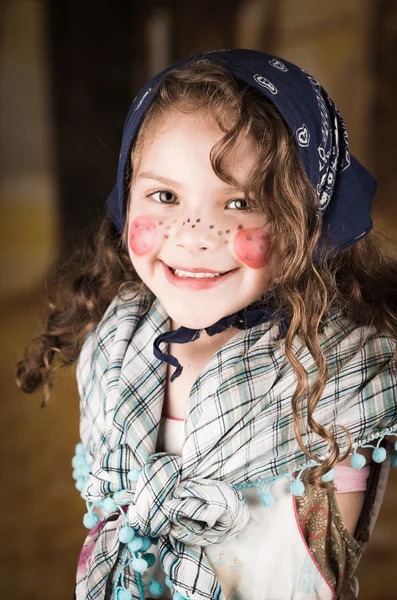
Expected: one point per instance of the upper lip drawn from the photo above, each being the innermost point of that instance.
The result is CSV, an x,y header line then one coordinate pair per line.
x,y
197,269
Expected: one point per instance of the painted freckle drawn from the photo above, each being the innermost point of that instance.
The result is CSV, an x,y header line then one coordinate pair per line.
x,y
166,236
193,226
184,222
160,222
227,230
188,220
168,227
219,232
226,241
212,226
240,227
249,238
198,220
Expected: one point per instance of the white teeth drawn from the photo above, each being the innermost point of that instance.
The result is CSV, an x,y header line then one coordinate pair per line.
x,y
179,273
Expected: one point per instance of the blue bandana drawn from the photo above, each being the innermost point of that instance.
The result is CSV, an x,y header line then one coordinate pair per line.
x,y
344,187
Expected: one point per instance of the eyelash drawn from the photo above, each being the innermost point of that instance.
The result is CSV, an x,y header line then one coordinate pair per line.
x,y
171,203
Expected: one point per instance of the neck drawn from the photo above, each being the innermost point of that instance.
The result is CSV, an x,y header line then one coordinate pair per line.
x,y
205,344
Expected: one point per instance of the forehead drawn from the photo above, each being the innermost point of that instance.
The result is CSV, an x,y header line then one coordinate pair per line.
x,y
189,138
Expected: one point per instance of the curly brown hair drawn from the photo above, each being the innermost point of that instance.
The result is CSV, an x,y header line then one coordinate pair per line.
x,y
360,281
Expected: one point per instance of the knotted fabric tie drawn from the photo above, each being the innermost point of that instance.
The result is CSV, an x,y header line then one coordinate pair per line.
x,y
196,511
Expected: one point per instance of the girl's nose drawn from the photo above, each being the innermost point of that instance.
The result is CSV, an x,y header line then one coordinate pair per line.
x,y
195,234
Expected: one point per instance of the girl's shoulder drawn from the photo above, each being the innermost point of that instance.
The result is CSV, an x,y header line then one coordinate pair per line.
x,y
339,331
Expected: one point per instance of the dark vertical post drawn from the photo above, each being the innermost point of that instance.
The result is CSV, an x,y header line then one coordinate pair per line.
x,y
97,57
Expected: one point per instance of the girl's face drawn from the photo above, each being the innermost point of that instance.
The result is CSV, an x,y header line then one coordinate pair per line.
x,y
184,221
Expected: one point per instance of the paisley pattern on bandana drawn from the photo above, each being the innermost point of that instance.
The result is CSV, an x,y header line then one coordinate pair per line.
x,y
277,64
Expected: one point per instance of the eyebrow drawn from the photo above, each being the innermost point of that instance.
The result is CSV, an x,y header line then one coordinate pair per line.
x,y
150,175
166,181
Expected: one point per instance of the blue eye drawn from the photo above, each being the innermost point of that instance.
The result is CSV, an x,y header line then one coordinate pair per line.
x,y
243,201
164,197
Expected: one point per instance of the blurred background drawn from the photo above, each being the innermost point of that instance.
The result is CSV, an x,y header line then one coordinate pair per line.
x,y
68,72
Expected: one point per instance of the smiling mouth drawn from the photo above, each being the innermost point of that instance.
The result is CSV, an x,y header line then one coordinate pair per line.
x,y
195,279
197,273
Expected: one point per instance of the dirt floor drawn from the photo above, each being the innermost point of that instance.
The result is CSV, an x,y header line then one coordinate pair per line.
x,y
41,512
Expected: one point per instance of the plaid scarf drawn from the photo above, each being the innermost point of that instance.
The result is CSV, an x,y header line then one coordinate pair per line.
x,y
238,432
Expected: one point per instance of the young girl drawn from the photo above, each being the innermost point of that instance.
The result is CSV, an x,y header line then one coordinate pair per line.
x,y
236,332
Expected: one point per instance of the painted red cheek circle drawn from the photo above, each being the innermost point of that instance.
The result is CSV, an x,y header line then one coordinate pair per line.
x,y
142,236
252,247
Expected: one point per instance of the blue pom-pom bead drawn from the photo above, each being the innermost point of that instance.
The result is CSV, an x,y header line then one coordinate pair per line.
x,y
393,462
379,455
126,534
146,543
267,499
134,474
83,470
90,520
80,485
79,449
78,461
124,595
150,558
77,471
139,565
297,488
109,505
358,461
136,544
330,476
155,588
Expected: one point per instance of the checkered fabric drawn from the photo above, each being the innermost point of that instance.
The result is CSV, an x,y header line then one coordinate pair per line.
x,y
238,429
